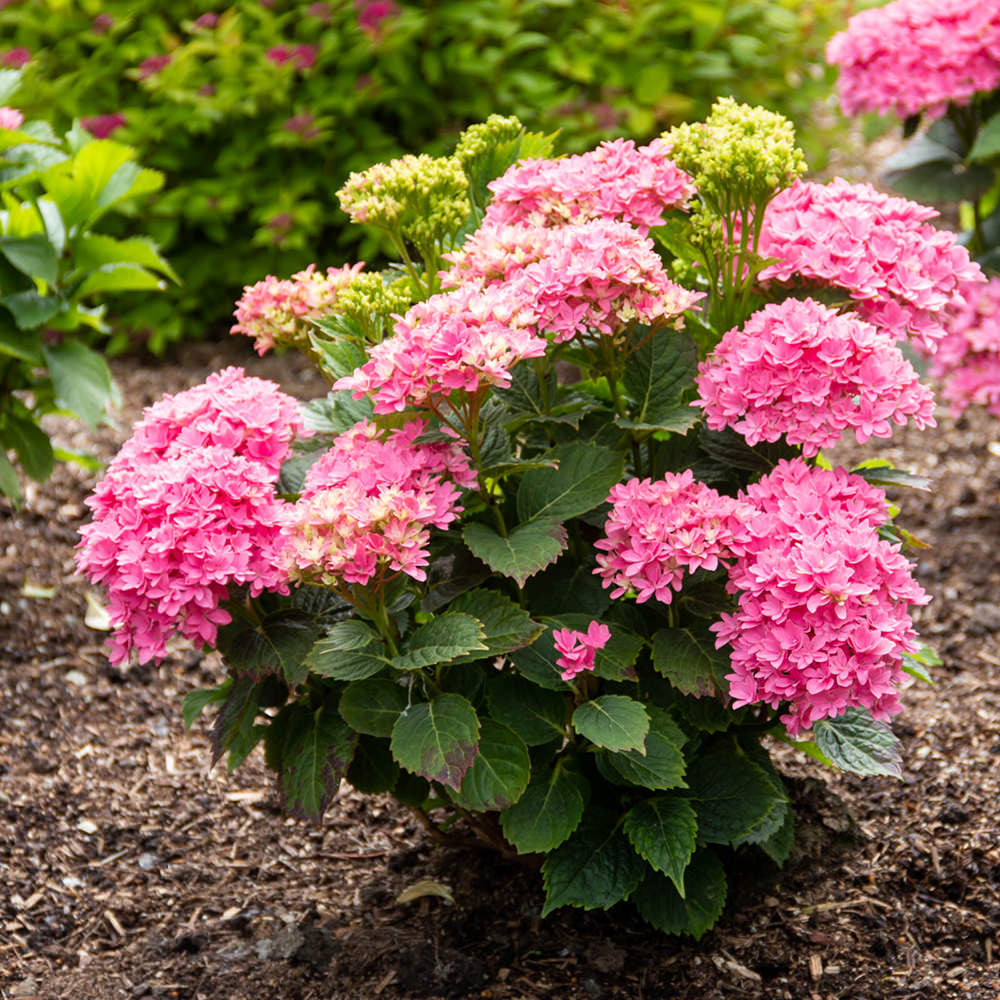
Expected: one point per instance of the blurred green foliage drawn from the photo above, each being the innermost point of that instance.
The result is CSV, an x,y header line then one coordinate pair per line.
x,y
258,111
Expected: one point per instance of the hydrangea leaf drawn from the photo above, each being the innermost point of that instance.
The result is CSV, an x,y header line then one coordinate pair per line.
x,y
526,550
987,144
546,814
856,742
500,772
537,662
279,644
664,831
596,867
437,739
373,706
506,626
442,639
689,660
583,480
661,905
32,255
373,770
537,715
658,373
660,763
81,379
613,721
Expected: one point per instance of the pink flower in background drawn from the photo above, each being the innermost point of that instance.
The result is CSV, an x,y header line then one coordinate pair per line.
x,y
902,273
302,56
801,371
658,531
153,65
822,619
372,14
101,126
303,125
617,181
915,56
207,90
208,20
11,118
16,58
578,650
320,10
968,358
102,24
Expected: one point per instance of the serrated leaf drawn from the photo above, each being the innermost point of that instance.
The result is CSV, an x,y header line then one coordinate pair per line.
x,y
349,651
31,309
689,660
81,378
596,867
856,742
373,706
235,720
537,715
613,721
778,846
663,830
317,753
279,644
195,702
499,773
658,374
373,770
987,144
526,550
582,482
437,739
506,626
660,904
444,638
32,255
546,814
659,764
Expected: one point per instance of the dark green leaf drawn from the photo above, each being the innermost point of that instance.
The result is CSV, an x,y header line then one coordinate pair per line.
x,y
235,721
195,702
882,473
373,770
279,644
659,764
658,374
664,830
689,660
526,550
613,721
987,144
444,638
33,447
856,742
546,814
81,379
582,482
660,904
499,773
537,715
373,706
437,739
506,626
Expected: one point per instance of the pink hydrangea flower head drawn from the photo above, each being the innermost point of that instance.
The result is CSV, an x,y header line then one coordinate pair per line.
x,y
277,311
321,10
153,65
659,531
207,21
102,24
11,118
171,535
374,14
301,56
465,340
901,272
822,618
101,126
251,417
914,56
801,371
578,650
16,58
617,181
968,358
368,504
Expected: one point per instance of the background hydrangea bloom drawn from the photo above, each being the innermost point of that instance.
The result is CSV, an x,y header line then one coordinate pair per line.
x,y
822,618
915,56
800,370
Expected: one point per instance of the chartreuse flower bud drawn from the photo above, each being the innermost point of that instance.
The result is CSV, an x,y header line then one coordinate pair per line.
x,y
477,140
370,301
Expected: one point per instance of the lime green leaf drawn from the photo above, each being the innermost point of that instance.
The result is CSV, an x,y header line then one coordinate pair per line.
x,y
660,904
499,773
32,255
373,706
659,764
120,277
94,250
437,739
546,814
535,714
526,550
81,379
442,639
582,482
613,721
664,831
195,702
987,144
856,742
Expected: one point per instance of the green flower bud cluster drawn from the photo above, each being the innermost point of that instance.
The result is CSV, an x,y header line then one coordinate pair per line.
x,y
370,301
739,157
480,139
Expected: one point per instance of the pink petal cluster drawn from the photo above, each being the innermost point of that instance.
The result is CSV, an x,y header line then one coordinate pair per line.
x,y
368,503
902,273
16,58
101,126
616,181
658,531
372,14
277,311
589,277
301,56
578,650
187,509
11,118
968,359
822,618
801,371
249,417
153,65
465,340
915,56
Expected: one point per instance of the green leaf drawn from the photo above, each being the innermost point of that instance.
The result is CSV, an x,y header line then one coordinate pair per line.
x,y
499,773
373,706
373,770
535,714
582,482
23,344
878,472
526,550
93,251
81,379
33,447
336,412
437,739
279,644
732,796
31,309
506,625
661,905
689,660
596,867
328,660
613,721
657,376
195,702
659,764
10,486
10,81
664,831
548,811
987,144
537,662
778,846
856,742
52,220
234,727
32,255
441,640
318,750
120,277
917,664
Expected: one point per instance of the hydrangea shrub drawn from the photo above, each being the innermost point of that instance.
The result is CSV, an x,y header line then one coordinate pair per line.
x,y
539,562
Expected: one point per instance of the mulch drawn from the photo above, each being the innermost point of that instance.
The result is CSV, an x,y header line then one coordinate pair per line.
x,y
131,869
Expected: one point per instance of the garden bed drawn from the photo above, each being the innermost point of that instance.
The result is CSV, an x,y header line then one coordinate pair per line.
x,y
131,869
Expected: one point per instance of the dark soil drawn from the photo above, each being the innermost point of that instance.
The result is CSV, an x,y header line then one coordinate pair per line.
x,y
130,869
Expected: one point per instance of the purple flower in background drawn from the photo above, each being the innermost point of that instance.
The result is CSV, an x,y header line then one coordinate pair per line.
x,y
16,58
153,65
101,126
